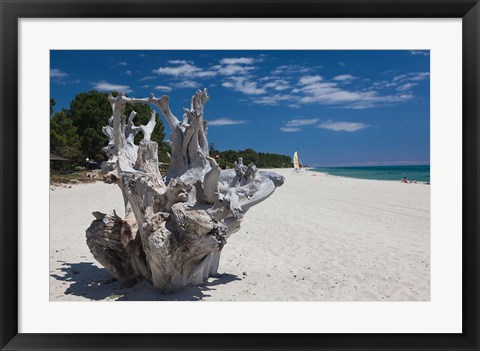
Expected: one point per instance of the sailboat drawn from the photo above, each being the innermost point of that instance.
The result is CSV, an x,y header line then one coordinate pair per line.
x,y
296,162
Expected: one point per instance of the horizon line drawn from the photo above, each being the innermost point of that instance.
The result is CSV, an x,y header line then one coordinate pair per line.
x,y
364,164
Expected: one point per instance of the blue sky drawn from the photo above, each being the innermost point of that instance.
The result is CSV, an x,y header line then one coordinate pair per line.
x,y
334,107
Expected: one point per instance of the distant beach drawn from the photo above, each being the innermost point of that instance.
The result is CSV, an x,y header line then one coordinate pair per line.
x,y
419,173
317,238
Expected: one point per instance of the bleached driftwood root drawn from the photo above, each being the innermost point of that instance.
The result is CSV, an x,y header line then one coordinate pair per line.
x,y
175,227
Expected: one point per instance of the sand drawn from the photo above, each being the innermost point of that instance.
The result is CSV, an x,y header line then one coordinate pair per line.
x,y
317,238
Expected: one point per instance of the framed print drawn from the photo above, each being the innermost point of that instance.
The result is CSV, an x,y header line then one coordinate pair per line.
x,y
348,131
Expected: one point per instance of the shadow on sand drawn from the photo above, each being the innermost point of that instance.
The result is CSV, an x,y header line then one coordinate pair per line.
x,y
91,282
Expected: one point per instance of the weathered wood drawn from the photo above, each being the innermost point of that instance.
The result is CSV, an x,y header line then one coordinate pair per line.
x,y
175,227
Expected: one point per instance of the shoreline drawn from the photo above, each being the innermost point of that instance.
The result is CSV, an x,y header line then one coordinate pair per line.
x,y
326,174
423,182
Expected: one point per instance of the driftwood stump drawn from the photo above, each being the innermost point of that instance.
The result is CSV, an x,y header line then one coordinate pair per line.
x,y
175,226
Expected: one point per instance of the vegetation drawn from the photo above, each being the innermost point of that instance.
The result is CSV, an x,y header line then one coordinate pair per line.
x,y
74,178
76,134
64,139
260,159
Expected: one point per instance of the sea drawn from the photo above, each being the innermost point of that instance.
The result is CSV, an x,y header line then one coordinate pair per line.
x,y
418,173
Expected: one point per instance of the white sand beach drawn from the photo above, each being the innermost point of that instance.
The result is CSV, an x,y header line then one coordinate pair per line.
x,y
317,238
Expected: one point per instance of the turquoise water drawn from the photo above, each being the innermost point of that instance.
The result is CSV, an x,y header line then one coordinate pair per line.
x,y
418,173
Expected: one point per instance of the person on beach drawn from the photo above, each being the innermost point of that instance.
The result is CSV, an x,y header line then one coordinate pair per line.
x,y
404,180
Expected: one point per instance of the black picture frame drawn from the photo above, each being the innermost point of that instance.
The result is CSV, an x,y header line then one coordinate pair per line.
x,y
11,11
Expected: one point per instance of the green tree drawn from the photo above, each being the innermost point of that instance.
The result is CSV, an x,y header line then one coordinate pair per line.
x,y
90,111
64,140
260,159
52,103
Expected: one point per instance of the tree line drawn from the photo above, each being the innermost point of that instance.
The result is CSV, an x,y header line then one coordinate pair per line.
x,y
260,159
76,134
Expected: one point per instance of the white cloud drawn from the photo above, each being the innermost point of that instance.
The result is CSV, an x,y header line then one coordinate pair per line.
x,y
413,76
344,78
277,84
187,84
295,124
380,100
385,84
290,129
180,70
315,90
180,62
128,73
342,126
305,80
420,52
237,61
59,77
402,83
419,76
301,122
122,63
286,85
406,86
56,73
270,85
230,70
109,87
290,69
246,87
234,66
330,93
184,69
400,77
163,88
224,122
146,78
272,99
205,74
